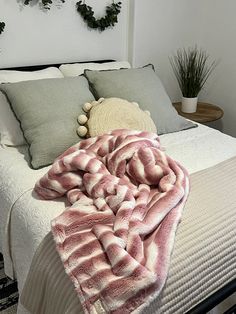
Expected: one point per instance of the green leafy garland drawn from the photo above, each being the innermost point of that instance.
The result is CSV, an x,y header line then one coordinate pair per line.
x,y
87,13
46,3
2,26
110,19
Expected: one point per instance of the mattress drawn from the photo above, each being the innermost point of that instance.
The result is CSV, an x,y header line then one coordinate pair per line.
x,y
203,259
25,220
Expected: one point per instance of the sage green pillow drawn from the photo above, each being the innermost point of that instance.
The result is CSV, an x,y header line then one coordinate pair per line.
x,y
48,110
143,86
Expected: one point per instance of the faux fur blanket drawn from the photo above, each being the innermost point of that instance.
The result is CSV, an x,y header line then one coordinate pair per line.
x,y
116,238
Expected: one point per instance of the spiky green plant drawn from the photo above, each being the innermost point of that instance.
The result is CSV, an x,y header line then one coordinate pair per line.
x,y
192,70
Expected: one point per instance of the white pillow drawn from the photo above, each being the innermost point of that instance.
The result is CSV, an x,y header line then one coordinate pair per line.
x,y
9,76
10,132
76,69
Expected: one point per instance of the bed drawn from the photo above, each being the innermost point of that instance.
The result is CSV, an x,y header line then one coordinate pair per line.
x,y
203,265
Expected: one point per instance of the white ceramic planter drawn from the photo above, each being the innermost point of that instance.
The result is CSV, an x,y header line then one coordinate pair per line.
x,y
189,105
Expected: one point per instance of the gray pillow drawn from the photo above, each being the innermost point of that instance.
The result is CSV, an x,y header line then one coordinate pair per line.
x,y
143,86
48,110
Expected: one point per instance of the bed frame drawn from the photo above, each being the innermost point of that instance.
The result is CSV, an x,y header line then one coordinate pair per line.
x,y
216,298
44,66
211,301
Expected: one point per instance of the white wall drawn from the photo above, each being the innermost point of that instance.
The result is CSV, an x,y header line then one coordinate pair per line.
x,y
218,30
162,26
33,36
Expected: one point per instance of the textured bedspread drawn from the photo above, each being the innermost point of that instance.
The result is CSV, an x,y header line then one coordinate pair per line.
x,y
116,239
203,260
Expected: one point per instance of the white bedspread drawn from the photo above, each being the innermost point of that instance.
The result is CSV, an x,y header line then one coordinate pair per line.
x,y
196,149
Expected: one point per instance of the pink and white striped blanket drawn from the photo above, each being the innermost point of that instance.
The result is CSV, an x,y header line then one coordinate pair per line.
x,y
116,238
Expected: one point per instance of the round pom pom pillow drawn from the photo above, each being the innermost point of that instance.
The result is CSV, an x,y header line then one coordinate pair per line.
x,y
114,113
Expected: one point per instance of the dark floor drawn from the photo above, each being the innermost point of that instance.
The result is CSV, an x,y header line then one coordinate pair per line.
x,y
8,291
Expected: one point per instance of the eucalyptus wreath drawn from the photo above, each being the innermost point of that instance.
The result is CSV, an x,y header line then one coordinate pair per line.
x,y
46,3
2,26
87,13
109,20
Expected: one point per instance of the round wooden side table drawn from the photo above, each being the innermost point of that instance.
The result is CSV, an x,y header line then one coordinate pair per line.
x,y
205,112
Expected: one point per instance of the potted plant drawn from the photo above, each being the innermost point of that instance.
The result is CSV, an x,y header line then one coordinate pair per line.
x,y
192,70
